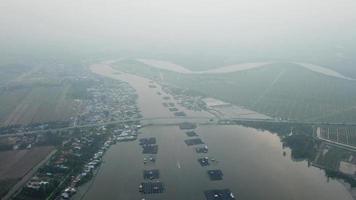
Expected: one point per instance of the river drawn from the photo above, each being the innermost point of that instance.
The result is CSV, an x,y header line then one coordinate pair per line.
x,y
166,65
252,161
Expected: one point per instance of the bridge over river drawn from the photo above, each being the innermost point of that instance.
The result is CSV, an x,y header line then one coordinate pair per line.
x,y
167,121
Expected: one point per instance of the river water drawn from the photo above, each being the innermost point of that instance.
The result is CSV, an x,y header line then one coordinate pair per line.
x,y
166,65
252,161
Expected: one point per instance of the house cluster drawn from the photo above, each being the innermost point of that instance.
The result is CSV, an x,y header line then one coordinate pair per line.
x,y
127,133
80,151
36,183
73,164
109,102
76,160
27,141
118,133
86,171
22,142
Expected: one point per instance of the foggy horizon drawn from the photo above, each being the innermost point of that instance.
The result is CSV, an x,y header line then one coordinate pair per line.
x,y
231,31
177,99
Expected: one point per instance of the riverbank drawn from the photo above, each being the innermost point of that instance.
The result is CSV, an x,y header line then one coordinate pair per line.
x,y
254,163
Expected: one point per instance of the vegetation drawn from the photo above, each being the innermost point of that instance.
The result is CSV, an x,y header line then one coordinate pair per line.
x,y
78,89
298,137
282,90
338,175
68,162
332,156
302,146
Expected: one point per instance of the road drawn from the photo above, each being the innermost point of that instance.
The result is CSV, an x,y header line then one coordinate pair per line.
x,y
151,121
17,187
175,121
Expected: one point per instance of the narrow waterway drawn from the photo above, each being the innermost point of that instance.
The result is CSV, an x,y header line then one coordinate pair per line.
x,y
252,161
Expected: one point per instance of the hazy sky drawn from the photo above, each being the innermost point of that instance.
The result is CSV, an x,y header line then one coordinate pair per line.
x,y
181,24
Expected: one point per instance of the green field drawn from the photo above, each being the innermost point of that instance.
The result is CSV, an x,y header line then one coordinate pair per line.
x,y
281,90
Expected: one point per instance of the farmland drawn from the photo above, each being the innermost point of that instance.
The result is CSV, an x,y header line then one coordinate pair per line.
x,y
41,94
281,90
35,105
345,135
16,163
10,72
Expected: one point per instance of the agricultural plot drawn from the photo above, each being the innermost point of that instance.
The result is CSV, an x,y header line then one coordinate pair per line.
x,y
10,72
37,104
44,91
343,134
15,164
329,157
9,101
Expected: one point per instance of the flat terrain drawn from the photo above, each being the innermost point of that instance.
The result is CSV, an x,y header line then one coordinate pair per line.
x,y
280,90
40,92
340,134
37,104
15,164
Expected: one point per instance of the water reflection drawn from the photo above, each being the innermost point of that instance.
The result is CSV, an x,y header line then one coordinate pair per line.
x,y
252,162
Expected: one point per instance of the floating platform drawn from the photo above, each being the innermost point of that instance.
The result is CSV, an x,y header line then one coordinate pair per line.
x,y
195,141
151,187
203,149
187,125
173,109
191,134
180,114
149,160
148,141
149,149
224,194
215,175
151,174
204,161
